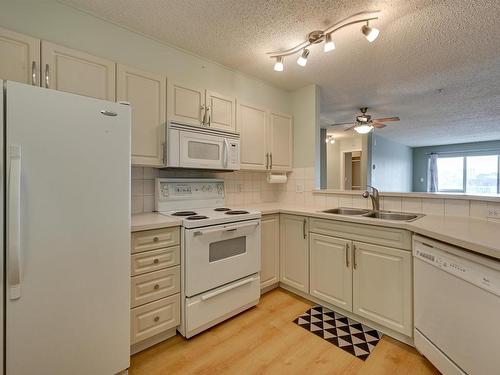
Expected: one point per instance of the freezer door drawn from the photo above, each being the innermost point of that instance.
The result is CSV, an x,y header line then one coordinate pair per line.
x,y
68,233
2,173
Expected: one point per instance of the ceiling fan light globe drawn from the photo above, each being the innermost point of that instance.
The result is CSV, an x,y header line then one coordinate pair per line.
x,y
363,129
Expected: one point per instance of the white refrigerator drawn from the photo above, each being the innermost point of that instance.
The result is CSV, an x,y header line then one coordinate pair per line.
x,y
66,232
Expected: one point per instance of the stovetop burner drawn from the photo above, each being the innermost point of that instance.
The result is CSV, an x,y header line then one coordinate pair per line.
x,y
184,213
236,212
221,209
197,217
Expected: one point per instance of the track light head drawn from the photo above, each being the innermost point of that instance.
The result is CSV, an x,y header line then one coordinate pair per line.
x,y
371,33
278,65
329,44
302,60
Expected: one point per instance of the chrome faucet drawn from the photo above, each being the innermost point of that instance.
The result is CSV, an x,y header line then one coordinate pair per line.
x,y
374,195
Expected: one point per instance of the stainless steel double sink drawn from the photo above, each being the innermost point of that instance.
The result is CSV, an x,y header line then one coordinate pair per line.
x,y
381,215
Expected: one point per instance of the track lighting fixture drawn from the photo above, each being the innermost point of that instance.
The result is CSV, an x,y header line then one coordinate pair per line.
x,y
318,36
371,33
329,139
329,44
278,65
302,60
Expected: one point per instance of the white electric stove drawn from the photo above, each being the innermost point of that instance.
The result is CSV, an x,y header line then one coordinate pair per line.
x,y
220,251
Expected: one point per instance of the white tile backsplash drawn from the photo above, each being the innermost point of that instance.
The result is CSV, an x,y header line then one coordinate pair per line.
x,y
455,207
433,206
413,205
242,187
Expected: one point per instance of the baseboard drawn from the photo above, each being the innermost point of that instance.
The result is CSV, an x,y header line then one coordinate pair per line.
x,y
269,288
140,346
386,331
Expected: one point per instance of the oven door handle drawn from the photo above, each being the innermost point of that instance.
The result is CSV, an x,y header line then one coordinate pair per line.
x,y
226,289
225,229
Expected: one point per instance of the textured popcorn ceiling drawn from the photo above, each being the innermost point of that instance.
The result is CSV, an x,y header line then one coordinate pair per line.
x,y
424,46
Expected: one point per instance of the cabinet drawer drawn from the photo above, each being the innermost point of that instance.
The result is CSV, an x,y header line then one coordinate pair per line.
x,y
155,260
154,318
155,239
392,237
155,285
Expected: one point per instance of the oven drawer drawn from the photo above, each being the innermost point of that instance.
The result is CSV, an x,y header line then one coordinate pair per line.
x,y
155,260
218,304
155,285
154,318
155,239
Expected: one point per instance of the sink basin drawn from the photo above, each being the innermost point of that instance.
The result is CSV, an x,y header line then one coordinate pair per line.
x,y
346,211
398,216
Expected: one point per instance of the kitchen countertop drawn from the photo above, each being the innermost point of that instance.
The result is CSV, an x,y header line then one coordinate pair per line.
x,y
152,220
476,235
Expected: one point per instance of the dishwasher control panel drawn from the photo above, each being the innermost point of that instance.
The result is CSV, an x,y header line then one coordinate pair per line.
x,y
465,269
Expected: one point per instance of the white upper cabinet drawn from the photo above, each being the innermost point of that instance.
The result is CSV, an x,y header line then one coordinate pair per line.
x,y
220,111
77,72
383,286
200,107
294,252
19,57
281,141
252,126
331,270
146,93
186,104
270,251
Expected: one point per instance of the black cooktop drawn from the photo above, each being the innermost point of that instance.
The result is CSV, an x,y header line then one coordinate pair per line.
x,y
197,217
184,213
236,212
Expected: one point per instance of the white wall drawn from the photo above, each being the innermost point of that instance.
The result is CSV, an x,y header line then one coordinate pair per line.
x,y
393,164
334,158
58,23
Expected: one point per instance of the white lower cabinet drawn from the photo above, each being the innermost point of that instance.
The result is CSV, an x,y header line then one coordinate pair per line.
x,y
331,270
270,251
382,286
294,252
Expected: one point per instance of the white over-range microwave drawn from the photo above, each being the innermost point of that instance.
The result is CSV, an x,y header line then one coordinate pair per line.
x,y
194,147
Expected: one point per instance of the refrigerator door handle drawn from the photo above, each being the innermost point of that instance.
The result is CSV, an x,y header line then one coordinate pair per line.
x,y
14,224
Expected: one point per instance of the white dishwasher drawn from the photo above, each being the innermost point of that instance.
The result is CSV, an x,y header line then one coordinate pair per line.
x,y
457,308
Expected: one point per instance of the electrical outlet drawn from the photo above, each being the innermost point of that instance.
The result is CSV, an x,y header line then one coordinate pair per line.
x,y
494,212
299,188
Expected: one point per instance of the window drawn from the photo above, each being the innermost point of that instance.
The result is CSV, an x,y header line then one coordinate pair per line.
x,y
469,174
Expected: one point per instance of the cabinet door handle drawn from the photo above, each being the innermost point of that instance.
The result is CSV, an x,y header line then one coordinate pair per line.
x,y
209,116
156,261
271,162
304,228
204,118
33,73
156,287
347,255
267,160
47,76
354,256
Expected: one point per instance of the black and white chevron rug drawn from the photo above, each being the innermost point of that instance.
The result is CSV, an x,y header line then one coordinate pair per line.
x,y
344,332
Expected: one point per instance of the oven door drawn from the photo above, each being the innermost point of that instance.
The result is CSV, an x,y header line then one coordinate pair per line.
x,y
220,254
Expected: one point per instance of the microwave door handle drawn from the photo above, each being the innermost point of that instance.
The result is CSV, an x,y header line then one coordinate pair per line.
x,y
225,151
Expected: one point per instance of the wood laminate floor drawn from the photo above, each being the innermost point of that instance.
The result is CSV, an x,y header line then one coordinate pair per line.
x,y
264,340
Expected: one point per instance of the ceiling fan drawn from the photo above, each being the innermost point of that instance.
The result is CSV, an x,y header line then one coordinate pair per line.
x,y
364,123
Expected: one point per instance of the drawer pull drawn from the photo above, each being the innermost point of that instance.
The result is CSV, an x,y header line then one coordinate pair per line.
x,y
156,261
156,319
157,286
156,239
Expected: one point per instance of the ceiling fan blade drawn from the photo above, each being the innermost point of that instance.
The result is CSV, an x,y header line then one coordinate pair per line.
x,y
386,119
343,123
378,125
350,128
